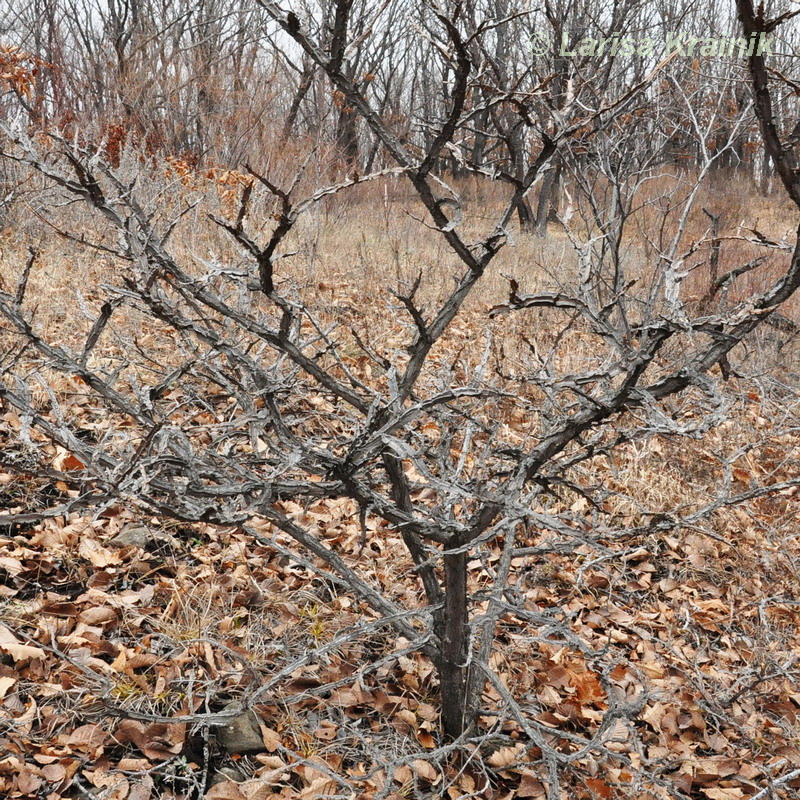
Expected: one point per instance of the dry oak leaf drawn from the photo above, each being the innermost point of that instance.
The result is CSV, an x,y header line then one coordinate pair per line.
x,y
599,788
426,770
326,731
54,773
225,791
530,785
5,684
13,566
723,793
98,615
142,789
65,461
275,763
28,782
18,651
403,775
133,765
87,738
116,786
505,756
98,555
271,737
158,741
465,785
319,787
257,789
425,738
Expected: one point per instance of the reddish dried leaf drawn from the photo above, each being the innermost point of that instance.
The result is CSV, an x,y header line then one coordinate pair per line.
x,y
600,788
71,462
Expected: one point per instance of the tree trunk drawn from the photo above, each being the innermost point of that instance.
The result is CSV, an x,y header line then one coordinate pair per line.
x,y
525,215
766,173
347,135
453,630
547,207
302,90
479,144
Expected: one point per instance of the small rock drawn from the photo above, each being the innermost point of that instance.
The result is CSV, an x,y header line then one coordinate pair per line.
x,y
225,774
242,734
133,535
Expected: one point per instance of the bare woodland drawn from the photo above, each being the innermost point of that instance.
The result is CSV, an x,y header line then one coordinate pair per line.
x,y
425,402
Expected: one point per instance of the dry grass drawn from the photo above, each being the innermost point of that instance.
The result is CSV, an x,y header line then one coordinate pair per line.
x,y
700,619
373,235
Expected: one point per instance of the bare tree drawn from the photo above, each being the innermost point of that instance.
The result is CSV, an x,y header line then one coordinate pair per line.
x,y
424,450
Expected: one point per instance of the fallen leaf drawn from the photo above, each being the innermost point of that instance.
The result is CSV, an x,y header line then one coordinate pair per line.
x,y
54,773
225,791
5,684
19,652
599,788
28,782
505,756
319,787
13,566
158,741
70,462
142,789
272,740
87,738
723,793
99,615
530,786
426,770
326,731
98,555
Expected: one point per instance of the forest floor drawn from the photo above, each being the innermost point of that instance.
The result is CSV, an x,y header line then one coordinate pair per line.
x,y
114,626
126,641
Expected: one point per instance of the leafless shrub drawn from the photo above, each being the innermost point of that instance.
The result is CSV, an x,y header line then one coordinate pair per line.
x,y
264,406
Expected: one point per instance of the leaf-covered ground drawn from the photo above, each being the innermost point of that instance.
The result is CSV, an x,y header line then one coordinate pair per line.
x,y
114,627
